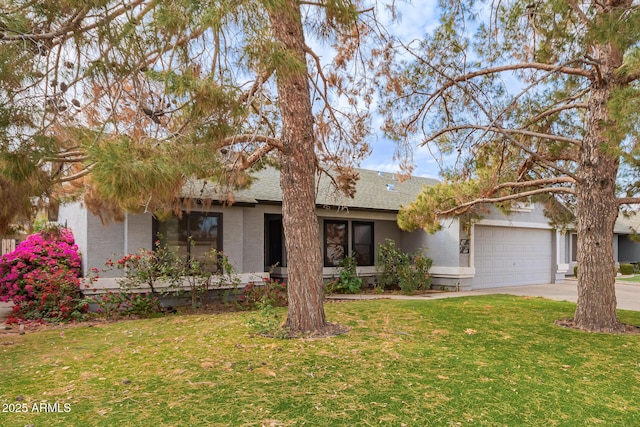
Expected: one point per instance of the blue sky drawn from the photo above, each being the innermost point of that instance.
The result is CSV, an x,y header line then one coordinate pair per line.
x,y
417,18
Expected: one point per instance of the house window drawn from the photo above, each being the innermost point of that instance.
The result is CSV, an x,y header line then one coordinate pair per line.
x,y
574,247
203,228
275,253
363,242
335,242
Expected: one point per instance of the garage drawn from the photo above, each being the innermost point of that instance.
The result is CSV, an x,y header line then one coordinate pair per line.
x,y
510,256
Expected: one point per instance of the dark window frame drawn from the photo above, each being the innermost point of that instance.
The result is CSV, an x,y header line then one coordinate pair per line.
x,y
188,216
371,254
274,247
334,247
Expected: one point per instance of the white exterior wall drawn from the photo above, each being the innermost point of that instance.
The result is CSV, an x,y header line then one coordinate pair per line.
x,y
243,238
139,229
444,246
232,237
383,230
253,239
529,216
74,216
105,242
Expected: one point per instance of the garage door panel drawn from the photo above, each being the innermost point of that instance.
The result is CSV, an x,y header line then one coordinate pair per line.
x,y
506,256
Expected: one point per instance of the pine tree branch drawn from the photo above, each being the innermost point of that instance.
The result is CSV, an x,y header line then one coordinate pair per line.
x,y
316,59
464,207
323,93
465,78
631,77
76,175
258,154
513,67
72,26
323,5
248,94
504,131
249,138
64,30
124,9
629,201
536,182
583,17
552,111
66,159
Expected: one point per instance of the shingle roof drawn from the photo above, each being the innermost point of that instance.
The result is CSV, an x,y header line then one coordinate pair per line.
x,y
627,225
374,190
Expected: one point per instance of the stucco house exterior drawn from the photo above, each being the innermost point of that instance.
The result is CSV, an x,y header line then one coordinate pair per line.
x,y
496,251
625,248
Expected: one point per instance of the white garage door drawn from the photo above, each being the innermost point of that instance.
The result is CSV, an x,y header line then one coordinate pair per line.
x,y
507,256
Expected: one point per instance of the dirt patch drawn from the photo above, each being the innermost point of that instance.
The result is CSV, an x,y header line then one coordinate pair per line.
x,y
625,328
419,292
329,330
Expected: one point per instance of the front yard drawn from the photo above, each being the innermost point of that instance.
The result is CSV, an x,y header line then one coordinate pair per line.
x,y
635,278
482,361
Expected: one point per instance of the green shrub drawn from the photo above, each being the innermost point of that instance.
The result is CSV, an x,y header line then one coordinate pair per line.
x,y
575,270
388,263
271,292
347,281
626,269
415,276
399,270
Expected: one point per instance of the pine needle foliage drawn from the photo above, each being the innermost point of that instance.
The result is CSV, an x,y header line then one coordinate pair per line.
x,y
102,95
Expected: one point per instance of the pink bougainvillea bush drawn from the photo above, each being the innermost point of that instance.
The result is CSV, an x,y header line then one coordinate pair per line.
x,y
42,278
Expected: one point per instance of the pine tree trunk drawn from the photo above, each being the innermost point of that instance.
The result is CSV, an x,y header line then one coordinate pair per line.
x,y
297,179
597,207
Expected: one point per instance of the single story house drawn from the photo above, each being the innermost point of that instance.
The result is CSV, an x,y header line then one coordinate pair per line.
x,y
626,249
497,251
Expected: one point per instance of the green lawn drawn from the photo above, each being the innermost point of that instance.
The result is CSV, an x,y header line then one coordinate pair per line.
x,y
634,278
483,361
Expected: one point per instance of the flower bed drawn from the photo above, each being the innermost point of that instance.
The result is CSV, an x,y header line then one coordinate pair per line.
x,y
42,278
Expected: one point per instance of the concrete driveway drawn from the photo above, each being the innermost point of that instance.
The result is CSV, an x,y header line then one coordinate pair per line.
x,y
627,293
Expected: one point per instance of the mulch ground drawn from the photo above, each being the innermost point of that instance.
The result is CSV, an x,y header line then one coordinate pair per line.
x,y
624,329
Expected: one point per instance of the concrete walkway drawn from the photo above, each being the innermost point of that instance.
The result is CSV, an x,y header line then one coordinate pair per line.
x,y
627,293
5,310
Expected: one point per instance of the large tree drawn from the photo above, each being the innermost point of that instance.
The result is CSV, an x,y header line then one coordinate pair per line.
x,y
531,99
121,102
